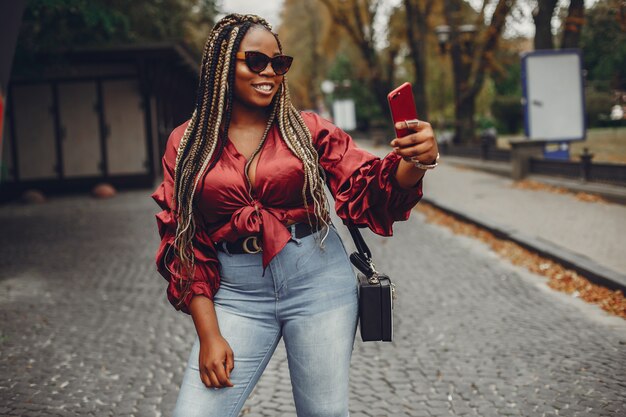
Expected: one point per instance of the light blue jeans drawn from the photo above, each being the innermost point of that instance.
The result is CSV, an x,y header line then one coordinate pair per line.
x,y
308,296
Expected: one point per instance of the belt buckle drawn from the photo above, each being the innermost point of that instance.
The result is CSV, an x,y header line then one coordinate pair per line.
x,y
256,248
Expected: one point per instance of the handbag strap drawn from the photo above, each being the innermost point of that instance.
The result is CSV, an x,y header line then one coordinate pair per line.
x,y
359,242
362,248
362,259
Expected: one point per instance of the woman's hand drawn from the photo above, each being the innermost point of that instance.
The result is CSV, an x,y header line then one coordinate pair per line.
x,y
216,361
420,146
417,146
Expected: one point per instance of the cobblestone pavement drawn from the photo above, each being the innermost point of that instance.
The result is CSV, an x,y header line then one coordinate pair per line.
x,y
86,329
595,230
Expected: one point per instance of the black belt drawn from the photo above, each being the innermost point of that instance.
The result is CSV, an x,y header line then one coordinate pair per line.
x,y
252,244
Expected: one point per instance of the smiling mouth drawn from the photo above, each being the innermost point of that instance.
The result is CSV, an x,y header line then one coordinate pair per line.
x,y
264,88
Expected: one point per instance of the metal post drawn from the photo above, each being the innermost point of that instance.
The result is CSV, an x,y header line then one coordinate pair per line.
x,y
585,164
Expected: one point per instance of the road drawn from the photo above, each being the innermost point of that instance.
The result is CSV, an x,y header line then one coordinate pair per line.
x,y
86,329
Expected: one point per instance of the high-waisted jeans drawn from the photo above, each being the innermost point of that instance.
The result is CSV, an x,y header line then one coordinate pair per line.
x,y
308,296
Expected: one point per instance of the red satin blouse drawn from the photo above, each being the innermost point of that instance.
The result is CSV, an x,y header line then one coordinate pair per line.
x,y
363,185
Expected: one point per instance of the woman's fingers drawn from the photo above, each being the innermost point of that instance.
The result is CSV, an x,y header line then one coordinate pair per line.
x,y
215,377
215,383
420,145
424,148
220,373
230,362
414,124
425,135
204,377
216,361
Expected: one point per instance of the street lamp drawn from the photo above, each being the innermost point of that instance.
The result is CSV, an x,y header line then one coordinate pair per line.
x,y
443,37
459,41
466,35
327,87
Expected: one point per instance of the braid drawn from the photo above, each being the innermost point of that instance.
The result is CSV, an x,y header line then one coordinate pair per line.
x,y
206,135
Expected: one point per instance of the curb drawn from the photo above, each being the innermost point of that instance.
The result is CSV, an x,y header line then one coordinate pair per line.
x,y
613,193
586,267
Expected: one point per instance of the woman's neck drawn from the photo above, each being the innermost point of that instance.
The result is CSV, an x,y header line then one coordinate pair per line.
x,y
246,115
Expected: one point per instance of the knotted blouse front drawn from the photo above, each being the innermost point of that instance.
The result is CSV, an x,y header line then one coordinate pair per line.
x,y
364,187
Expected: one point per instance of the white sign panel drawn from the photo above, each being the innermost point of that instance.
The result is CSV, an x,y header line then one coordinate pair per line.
x,y
345,114
554,105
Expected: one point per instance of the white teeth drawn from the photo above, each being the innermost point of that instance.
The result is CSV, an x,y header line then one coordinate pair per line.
x,y
263,87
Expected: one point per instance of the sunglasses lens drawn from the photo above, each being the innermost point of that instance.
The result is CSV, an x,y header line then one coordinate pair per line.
x,y
256,61
281,64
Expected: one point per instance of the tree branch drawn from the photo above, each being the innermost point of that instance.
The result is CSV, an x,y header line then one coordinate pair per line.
x,y
356,10
342,20
493,34
428,7
480,19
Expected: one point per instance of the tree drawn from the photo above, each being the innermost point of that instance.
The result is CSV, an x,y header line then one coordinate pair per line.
x,y
313,42
357,18
418,29
573,24
603,42
53,25
472,56
542,16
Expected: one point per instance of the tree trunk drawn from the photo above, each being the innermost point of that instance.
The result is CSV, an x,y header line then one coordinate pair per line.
x,y
542,15
419,82
469,76
464,113
417,31
573,24
382,87
461,69
314,78
362,35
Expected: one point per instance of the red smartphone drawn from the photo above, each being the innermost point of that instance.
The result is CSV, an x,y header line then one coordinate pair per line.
x,y
402,106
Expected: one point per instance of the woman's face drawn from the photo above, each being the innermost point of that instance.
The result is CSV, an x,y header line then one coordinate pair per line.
x,y
251,89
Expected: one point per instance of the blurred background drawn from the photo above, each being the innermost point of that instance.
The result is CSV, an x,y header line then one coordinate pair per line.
x,y
92,89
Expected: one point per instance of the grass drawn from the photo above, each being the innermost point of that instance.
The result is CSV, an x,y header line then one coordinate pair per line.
x,y
607,144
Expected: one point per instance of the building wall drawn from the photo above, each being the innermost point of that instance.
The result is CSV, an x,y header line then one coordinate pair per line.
x,y
77,128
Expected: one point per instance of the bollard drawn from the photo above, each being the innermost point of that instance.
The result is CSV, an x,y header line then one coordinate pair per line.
x,y
522,150
585,164
488,139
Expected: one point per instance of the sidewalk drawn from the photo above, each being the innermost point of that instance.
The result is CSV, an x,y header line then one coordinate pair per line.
x,y
613,193
586,236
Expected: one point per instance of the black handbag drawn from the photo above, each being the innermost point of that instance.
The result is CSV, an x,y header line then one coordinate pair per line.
x,y
376,294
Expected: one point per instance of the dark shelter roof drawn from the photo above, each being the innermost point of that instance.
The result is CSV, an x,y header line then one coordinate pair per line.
x,y
10,20
130,53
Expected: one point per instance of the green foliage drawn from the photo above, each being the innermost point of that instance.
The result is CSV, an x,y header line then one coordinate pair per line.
x,y
598,107
508,113
604,44
49,26
510,82
367,110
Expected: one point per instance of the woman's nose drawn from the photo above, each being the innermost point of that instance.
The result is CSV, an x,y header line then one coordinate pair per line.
x,y
268,71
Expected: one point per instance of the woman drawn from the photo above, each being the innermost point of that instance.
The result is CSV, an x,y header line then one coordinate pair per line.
x,y
247,245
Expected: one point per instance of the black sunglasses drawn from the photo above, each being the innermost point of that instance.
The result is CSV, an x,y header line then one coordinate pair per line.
x,y
257,61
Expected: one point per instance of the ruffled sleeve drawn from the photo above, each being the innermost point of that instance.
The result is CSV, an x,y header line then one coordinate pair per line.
x,y
365,188
205,280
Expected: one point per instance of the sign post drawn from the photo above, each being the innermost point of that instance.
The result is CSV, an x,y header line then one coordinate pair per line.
x,y
553,99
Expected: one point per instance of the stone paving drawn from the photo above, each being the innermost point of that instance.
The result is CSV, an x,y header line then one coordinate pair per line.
x,y
86,329
592,229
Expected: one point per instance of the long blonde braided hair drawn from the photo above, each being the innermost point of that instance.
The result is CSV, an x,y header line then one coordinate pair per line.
x,y
205,136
